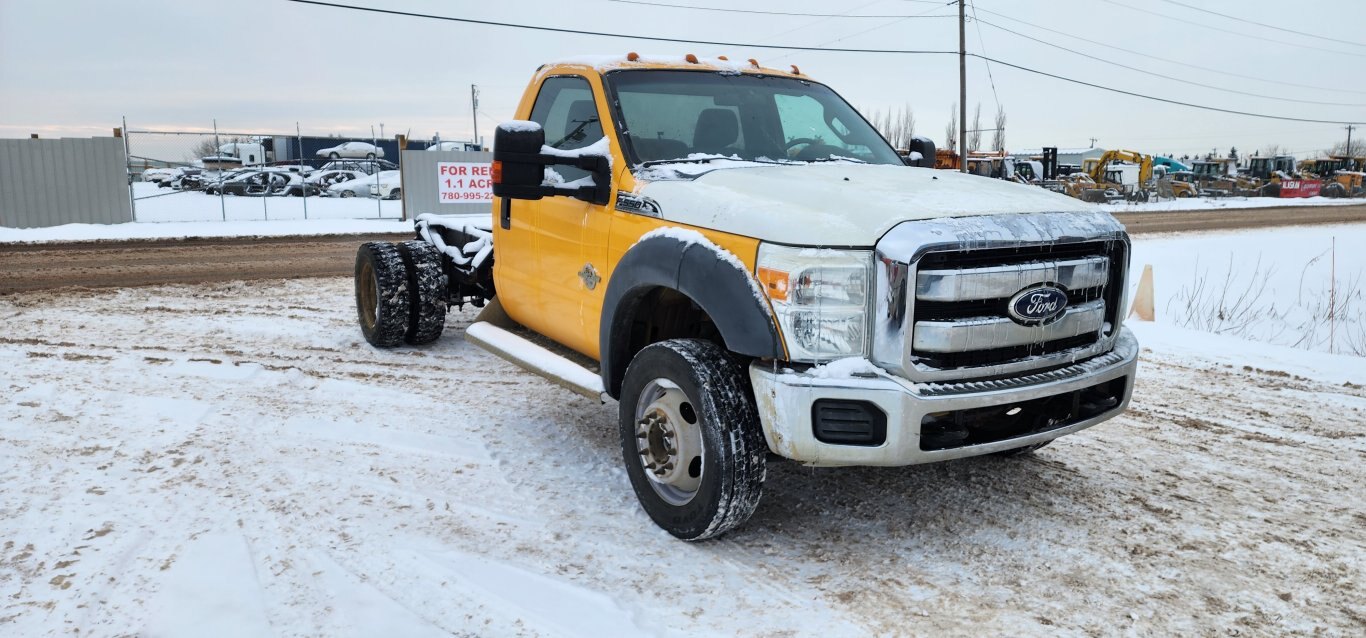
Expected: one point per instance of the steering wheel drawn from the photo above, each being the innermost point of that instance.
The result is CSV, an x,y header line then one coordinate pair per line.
x,y
800,140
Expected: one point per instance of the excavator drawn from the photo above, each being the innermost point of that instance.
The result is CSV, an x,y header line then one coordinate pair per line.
x,y
1117,174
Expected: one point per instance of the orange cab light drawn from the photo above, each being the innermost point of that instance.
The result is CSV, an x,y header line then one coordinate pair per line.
x,y
775,283
690,58
753,62
496,172
632,56
795,70
722,57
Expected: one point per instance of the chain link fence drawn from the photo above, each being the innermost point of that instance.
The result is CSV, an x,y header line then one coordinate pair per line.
x,y
224,175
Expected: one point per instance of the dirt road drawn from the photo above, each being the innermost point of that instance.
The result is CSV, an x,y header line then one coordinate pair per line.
x,y
138,263
172,452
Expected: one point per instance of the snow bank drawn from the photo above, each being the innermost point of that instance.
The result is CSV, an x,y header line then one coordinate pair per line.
x,y
1216,203
1269,286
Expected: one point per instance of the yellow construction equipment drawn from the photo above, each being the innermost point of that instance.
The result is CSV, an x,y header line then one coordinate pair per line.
x,y
1110,177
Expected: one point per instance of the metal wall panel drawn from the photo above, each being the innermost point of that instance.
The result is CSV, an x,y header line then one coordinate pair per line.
x,y
65,181
420,187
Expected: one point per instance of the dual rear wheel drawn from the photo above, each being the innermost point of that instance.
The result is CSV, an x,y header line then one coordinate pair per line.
x,y
400,293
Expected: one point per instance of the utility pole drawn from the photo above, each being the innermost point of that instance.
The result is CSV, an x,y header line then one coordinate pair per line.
x,y
1349,140
962,89
474,107
1093,142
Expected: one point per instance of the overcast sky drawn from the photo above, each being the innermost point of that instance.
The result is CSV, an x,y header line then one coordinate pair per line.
x,y
74,67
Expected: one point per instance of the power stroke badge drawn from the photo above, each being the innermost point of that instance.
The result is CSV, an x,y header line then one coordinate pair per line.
x,y
1037,305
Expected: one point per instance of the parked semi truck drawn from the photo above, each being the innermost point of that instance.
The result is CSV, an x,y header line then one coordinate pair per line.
x,y
739,260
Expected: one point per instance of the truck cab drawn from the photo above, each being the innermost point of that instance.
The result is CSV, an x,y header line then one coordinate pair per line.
x,y
739,260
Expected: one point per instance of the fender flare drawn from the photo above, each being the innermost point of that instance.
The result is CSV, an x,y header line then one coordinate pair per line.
x,y
698,269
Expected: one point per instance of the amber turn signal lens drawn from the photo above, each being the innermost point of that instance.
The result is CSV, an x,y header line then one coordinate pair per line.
x,y
775,283
496,172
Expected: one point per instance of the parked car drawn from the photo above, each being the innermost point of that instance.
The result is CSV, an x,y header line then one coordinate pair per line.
x,y
389,186
362,150
361,187
157,175
369,167
252,183
326,178
454,146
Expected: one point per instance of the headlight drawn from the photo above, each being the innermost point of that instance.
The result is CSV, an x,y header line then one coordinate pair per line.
x,y
821,298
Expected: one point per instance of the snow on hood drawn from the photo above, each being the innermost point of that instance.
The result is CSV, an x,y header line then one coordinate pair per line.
x,y
839,204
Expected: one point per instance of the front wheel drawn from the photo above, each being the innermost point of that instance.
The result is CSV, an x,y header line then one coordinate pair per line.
x,y
691,439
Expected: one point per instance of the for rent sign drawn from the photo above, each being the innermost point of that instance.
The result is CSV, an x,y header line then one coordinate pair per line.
x,y
1301,187
463,182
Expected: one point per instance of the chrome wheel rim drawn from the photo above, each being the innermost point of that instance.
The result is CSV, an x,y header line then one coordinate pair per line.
x,y
668,439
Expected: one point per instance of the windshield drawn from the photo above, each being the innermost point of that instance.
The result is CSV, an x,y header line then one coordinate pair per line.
x,y
695,116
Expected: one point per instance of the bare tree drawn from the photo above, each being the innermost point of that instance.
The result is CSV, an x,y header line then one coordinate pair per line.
x,y
1340,149
998,138
1272,150
951,131
896,126
975,133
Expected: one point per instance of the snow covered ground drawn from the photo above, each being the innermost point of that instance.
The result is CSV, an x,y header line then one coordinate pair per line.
x,y
234,460
156,204
1267,285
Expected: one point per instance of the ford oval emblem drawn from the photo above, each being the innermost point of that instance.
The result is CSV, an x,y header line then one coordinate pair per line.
x,y
1037,305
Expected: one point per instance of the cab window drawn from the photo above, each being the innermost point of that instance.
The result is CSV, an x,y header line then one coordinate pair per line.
x,y
565,109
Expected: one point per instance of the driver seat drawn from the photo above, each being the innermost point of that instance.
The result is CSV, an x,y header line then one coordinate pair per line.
x,y
717,129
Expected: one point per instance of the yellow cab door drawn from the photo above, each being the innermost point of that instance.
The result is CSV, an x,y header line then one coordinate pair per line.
x,y
564,230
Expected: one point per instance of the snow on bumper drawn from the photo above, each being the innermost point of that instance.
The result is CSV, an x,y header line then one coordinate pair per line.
x,y
787,399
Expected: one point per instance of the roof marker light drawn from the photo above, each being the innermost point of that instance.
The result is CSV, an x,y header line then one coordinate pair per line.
x,y
632,56
722,57
754,62
795,70
690,58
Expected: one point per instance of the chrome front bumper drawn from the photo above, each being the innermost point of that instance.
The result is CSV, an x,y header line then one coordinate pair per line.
x,y
786,399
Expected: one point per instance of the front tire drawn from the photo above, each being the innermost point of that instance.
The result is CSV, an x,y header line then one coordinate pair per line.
x,y
691,439
381,294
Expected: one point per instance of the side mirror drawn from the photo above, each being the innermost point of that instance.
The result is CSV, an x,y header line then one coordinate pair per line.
x,y
922,153
519,163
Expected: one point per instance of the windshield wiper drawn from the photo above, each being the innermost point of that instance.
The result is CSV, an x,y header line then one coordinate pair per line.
x,y
705,160
836,159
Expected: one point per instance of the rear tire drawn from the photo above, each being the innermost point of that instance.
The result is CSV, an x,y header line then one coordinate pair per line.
x,y
381,294
687,412
427,296
1334,190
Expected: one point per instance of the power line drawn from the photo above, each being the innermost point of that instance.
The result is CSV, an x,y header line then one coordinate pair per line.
x,y
983,44
778,13
626,36
1263,24
1165,77
1169,60
820,49
1161,99
1237,33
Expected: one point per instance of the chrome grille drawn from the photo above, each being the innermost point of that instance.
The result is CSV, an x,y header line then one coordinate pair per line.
x,y
942,311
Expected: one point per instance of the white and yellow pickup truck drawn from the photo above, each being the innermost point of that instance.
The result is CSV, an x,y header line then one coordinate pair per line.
x,y
738,259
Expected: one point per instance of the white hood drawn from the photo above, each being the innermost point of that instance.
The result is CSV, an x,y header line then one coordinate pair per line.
x,y
842,204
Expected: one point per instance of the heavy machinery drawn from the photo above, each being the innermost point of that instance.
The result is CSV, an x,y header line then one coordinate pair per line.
x,y
1342,176
1118,174
1220,177
1278,177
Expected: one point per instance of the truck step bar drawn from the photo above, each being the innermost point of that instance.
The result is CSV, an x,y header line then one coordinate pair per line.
x,y
492,331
